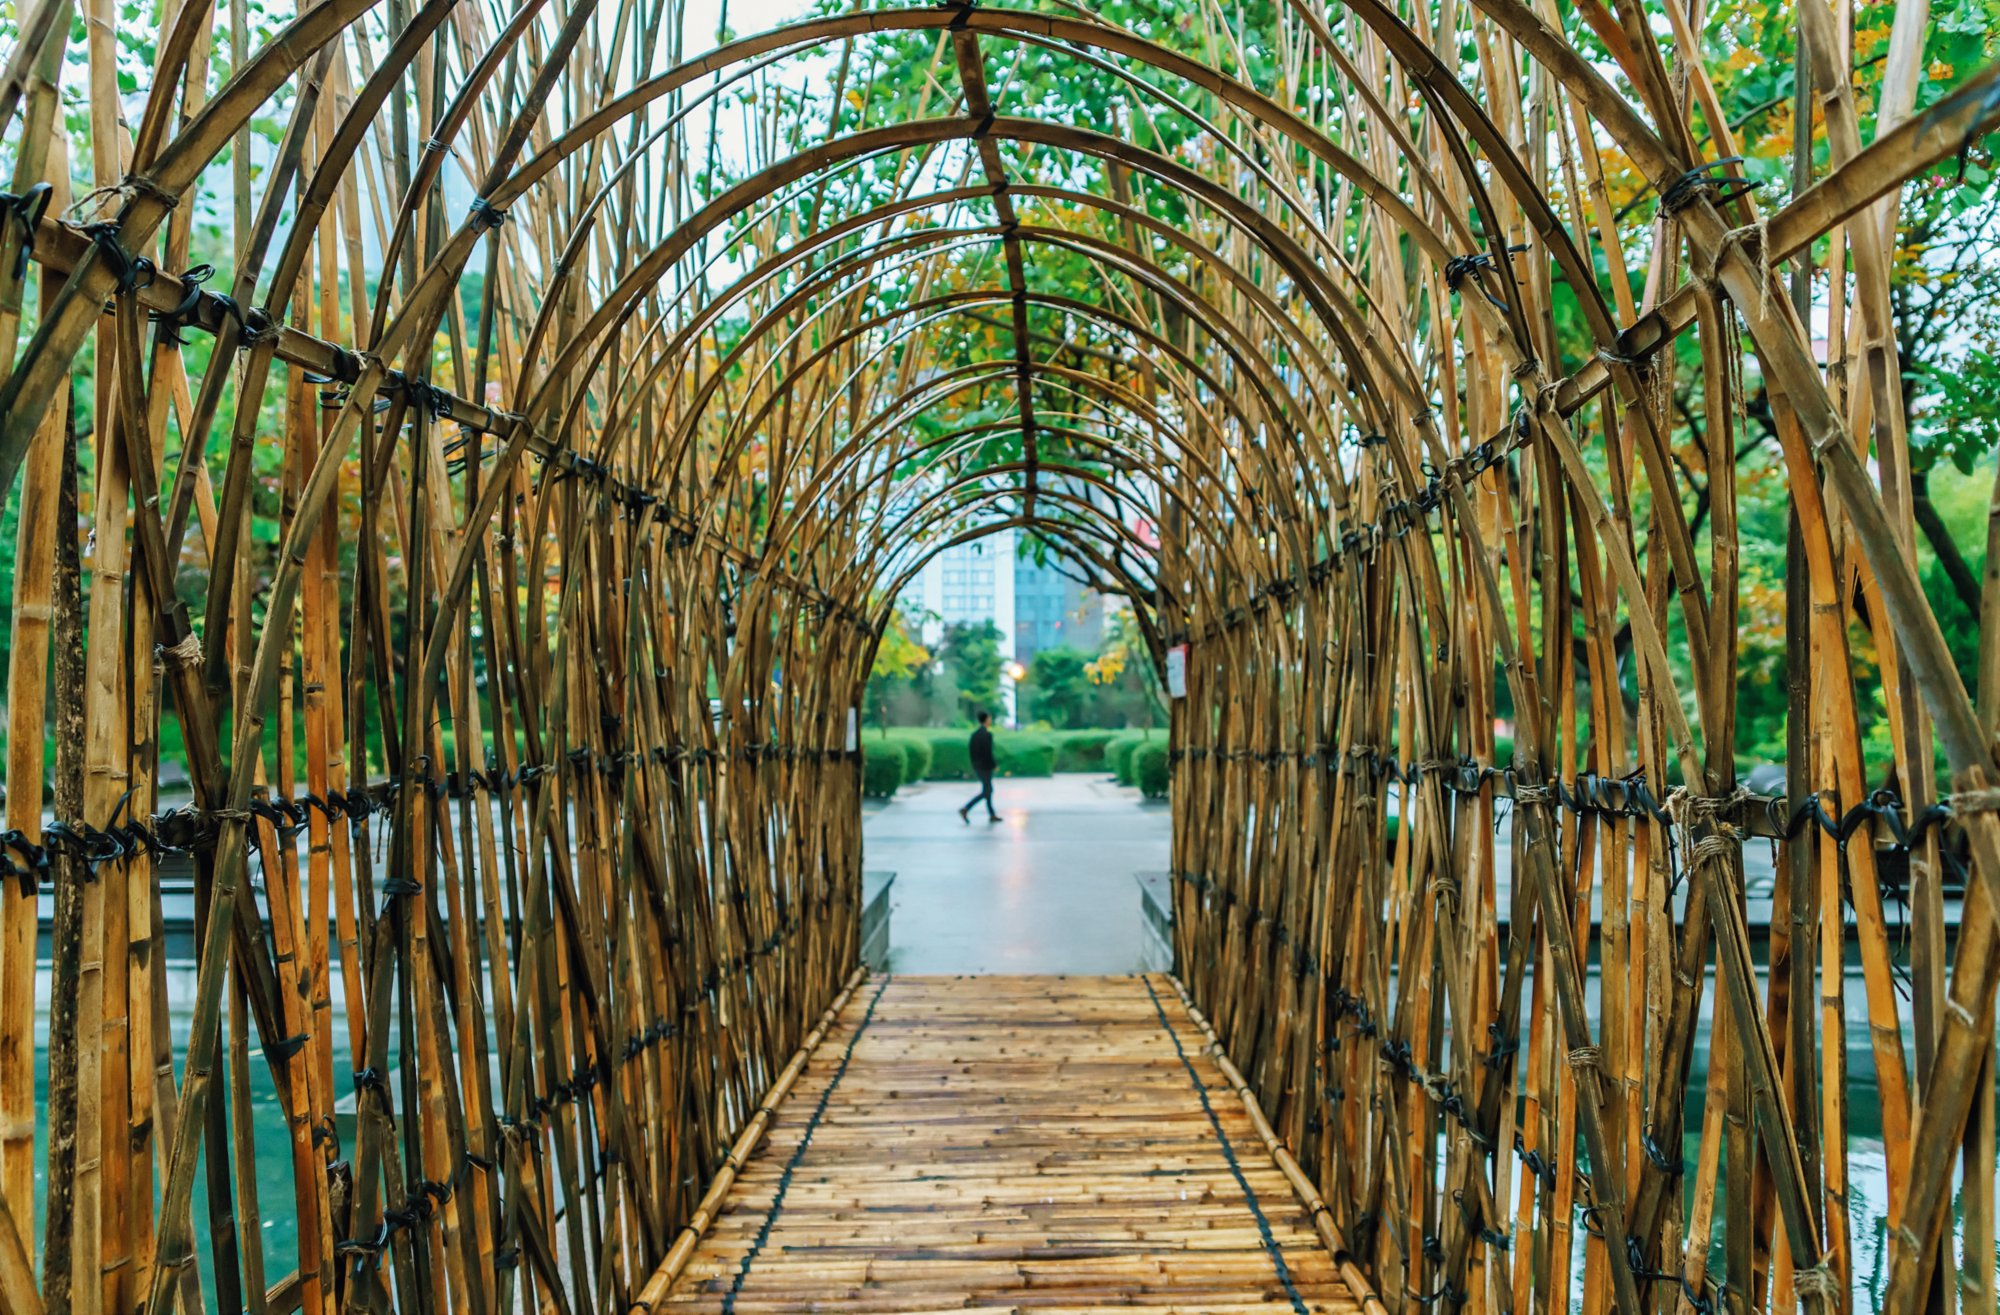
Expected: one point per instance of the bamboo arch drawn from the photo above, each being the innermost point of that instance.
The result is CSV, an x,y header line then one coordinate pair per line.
x,y
519,768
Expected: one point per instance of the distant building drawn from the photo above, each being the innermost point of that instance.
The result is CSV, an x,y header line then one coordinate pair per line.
x,y
1051,610
1036,607
964,585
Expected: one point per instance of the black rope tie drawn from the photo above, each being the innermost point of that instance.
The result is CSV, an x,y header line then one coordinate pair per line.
x,y
1706,178
1472,266
171,322
1271,1247
129,273
28,209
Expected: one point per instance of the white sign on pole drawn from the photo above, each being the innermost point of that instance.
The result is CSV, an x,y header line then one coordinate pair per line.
x,y
853,729
1177,671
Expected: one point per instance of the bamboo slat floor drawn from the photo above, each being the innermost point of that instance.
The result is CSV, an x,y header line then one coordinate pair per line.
x,y
1055,1143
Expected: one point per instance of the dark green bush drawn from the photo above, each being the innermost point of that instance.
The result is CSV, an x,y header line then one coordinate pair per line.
x,y
916,757
881,770
1150,766
1024,755
949,759
1118,754
1081,751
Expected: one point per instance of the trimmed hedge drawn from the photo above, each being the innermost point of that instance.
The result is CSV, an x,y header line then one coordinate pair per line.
x,y
1081,751
916,751
1024,755
881,771
941,755
1150,766
949,759
1119,753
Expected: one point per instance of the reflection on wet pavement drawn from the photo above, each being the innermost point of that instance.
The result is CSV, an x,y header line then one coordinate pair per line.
x,y
1047,889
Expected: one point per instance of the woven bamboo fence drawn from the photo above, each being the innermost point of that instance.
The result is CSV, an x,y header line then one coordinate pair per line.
x,y
493,551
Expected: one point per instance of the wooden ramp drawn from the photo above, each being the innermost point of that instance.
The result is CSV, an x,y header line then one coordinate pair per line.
x,y
1045,1143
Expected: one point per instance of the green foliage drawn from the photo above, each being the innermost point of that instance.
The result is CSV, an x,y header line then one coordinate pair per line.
x,y
899,662
1022,754
1057,689
881,771
916,757
1151,768
1081,751
972,651
1120,753
950,760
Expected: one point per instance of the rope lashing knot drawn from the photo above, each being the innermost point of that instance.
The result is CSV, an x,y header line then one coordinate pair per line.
x,y
1662,1161
171,322
1819,1283
1473,266
33,861
1714,849
1586,1057
486,215
129,273
1685,190
1759,232
28,208
1533,796
1974,801
184,654
254,323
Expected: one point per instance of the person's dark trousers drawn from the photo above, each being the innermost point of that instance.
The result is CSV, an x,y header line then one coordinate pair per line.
x,y
985,795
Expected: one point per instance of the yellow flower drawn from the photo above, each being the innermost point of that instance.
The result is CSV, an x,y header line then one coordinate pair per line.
x,y
1939,71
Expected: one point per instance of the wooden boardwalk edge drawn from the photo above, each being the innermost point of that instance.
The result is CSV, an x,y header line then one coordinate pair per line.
x,y
1322,1216
740,1152
747,1171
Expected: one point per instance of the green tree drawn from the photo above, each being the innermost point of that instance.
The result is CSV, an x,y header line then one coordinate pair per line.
x,y
899,660
971,654
1058,689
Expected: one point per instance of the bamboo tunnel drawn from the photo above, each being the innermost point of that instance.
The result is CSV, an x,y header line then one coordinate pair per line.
x,y
460,460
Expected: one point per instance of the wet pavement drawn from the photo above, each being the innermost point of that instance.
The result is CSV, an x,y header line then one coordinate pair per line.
x,y
1048,889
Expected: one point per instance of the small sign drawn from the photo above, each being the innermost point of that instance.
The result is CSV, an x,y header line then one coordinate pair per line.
x,y
1177,671
853,729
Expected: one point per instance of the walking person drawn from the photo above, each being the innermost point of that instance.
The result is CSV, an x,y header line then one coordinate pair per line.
x,y
980,750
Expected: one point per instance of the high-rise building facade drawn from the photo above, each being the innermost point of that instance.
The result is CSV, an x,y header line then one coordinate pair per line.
x,y
1051,610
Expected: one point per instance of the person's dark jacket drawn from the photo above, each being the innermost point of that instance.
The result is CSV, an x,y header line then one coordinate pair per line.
x,y
980,750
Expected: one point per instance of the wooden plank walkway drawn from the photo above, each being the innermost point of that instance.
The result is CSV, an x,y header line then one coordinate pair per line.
x,y
1046,1143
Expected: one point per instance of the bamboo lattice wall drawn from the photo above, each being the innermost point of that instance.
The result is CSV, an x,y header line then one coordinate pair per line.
x,y
465,590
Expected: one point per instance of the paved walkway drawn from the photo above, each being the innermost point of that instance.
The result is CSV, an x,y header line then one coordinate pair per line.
x,y
1047,889
1013,1143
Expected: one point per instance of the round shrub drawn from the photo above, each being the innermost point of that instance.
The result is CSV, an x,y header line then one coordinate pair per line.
x,y
1024,755
881,771
1118,755
916,757
1150,766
